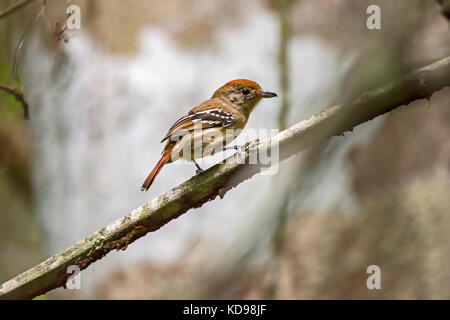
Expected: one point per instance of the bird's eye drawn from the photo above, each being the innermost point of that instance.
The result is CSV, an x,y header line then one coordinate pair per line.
x,y
245,92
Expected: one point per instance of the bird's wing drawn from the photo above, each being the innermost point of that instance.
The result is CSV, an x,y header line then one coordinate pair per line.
x,y
201,118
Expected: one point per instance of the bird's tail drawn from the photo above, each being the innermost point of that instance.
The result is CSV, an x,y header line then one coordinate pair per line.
x,y
165,157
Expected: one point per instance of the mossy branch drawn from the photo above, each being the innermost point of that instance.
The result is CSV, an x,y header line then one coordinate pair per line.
x,y
219,179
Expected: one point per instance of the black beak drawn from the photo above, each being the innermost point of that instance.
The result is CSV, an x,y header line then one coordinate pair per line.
x,y
268,94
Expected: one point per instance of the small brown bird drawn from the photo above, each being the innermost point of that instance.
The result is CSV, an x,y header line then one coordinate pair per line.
x,y
215,122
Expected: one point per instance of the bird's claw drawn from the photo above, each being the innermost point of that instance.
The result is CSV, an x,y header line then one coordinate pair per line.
x,y
199,170
241,149
251,144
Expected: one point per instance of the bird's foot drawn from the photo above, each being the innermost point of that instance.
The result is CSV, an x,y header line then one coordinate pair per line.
x,y
199,170
236,148
250,144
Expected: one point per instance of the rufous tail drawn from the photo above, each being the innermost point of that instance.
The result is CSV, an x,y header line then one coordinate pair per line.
x,y
165,157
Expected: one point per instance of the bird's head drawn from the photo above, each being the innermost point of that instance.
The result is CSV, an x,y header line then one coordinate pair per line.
x,y
243,94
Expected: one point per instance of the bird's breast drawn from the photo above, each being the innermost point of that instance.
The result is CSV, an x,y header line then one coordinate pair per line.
x,y
203,143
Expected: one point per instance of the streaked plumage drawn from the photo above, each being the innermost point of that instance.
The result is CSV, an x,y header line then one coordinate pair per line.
x,y
215,122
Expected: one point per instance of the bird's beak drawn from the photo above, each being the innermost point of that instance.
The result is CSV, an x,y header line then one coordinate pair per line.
x,y
268,94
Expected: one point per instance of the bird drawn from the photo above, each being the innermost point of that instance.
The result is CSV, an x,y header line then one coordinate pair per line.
x,y
211,125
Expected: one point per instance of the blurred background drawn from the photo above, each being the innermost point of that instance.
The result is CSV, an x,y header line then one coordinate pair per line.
x,y
102,97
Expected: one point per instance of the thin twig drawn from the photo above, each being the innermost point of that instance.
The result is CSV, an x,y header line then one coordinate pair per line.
x,y
221,178
281,217
18,94
283,9
18,49
59,32
14,8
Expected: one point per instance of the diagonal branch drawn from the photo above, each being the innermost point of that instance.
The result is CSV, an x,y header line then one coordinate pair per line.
x,y
217,180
